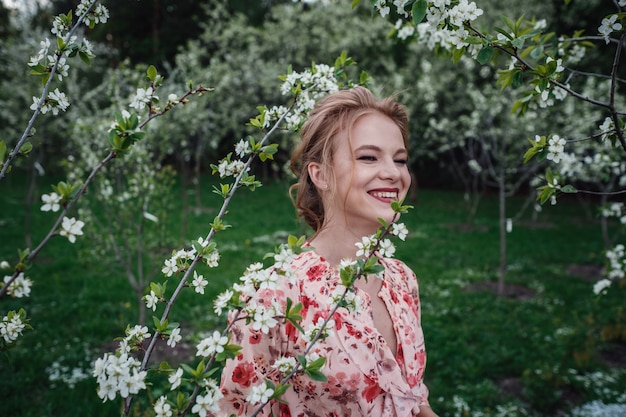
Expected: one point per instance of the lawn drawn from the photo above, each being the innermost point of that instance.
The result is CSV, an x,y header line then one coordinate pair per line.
x,y
548,346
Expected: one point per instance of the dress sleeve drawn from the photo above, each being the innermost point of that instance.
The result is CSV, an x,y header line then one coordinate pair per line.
x,y
420,387
254,363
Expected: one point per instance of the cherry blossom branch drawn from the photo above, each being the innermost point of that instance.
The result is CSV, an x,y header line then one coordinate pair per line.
x,y
222,212
13,154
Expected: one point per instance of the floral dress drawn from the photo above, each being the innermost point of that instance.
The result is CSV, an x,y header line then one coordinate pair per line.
x,y
364,377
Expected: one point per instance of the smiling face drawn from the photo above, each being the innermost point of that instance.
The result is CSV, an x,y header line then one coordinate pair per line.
x,y
370,170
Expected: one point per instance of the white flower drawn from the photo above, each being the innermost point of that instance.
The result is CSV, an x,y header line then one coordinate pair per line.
x,y
221,302
399,230
52,202
601,285
162,408
151,300
212,344
142,97
263,320
208,402
174,337
387,248
199,283
176,378
5,265
20,287
609,25
213,259
172,98
259,394
556,145
170,267
57,100
365,246
11,328
71,228
285,364
242,148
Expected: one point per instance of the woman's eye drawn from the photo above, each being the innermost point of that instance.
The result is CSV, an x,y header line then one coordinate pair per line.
x,y
366,158
401,161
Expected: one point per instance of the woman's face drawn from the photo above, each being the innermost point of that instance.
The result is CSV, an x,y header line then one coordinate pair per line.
x,y
370,171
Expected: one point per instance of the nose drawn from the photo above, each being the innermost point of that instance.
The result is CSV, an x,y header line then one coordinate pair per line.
x,y
390,170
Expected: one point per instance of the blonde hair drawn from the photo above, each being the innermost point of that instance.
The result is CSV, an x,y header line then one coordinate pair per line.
x,y
334,114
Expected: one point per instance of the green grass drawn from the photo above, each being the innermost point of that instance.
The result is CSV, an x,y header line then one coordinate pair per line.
x,y
532,352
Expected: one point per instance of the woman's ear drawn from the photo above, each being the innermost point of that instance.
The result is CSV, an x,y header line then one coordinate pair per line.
x,y
317,175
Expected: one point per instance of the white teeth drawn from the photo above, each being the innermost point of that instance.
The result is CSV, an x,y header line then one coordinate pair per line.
x,y
385,194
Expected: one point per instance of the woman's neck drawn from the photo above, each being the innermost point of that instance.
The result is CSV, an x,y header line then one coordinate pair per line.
x,y
335,244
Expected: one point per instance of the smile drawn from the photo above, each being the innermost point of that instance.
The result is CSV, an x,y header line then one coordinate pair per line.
x,y
384,194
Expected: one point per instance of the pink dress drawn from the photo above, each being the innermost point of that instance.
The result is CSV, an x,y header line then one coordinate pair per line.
x,y
364,376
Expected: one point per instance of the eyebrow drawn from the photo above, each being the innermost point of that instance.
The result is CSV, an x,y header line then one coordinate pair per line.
x,y
403,151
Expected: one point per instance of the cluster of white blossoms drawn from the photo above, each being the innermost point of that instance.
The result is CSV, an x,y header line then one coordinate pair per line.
x,y
11,327
120,372
321,328
70,228
209,401
162,408
142,97
98,14
228,168
20,287
55,101
43,61
556,147
315,83
180,260
444,24
615,210
617,262
351,301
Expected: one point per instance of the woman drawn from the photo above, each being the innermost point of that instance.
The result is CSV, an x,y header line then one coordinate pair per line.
x,y
351,164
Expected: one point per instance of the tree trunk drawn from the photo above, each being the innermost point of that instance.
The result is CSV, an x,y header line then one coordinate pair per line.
x,y
502,198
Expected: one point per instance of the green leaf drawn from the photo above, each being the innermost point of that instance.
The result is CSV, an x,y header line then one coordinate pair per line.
x,y
355,3
570,189
3,150
485,54
419,11
152,73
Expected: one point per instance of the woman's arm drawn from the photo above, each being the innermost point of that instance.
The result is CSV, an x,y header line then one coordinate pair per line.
x,y
426,411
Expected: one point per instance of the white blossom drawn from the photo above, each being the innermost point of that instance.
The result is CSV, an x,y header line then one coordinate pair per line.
x,y
285,364
70,228
118,374
162,408
169,267
176,378
151,300
259,394
221,302
608,26
20,287
556,145
11,328
212,344
601,285
52,202
198,283
208,402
